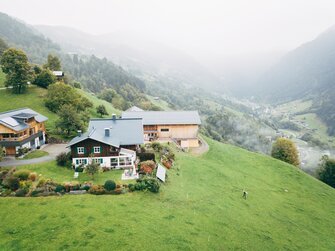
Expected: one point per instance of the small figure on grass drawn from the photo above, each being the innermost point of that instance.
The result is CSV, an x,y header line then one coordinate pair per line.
x,y
245,194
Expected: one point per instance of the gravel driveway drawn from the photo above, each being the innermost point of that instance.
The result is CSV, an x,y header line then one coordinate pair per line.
x,y
52,149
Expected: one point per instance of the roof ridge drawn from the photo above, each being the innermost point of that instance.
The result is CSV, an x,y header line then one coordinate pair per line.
x,y
18,109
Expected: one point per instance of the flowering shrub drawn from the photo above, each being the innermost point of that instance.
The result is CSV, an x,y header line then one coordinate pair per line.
x,y
148,166
22,174
97,190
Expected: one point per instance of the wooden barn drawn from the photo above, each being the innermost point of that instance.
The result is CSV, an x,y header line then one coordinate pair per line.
x,y
180,126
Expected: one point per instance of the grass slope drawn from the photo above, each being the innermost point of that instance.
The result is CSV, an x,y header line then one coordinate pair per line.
x,y
200,208
35,154
34,99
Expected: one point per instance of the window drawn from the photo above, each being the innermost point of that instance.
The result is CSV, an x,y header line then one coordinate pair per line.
x,y
164,129
81,161
96,149
97,161
80,150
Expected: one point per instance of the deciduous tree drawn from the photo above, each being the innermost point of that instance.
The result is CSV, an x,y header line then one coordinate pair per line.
x,y
53,63
326,171
18,71
101,109
45,78
285,150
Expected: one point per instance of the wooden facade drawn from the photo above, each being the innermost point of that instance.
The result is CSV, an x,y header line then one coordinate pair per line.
x,y
11,139
90,144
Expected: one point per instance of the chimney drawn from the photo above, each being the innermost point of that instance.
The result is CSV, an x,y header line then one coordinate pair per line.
x,y
107,132
113,116
79,133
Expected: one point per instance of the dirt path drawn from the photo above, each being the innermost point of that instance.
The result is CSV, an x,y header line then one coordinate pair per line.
x,y
203,148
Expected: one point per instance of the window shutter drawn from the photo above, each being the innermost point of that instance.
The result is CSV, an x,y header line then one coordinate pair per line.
x,y
101,160
84,150
77,162
85,161
100,149
92,151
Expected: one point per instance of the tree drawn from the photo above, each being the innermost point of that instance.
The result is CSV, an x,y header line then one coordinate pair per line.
x,y
108,95
3,46
92,168
45,78
53,63
101,109
60,94
285,150
15,64
2,153
326,171
70,120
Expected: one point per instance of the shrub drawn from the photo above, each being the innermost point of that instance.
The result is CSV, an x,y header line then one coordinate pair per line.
x,y
156,146
60,189
11,182
64,159
131,187
110,185
22,174
85,187
33,176
148,183
285,150
148,166
79,169
20,193
97,190
25,185
146,156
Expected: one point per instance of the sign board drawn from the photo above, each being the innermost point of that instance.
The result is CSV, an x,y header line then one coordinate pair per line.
x,y
161,173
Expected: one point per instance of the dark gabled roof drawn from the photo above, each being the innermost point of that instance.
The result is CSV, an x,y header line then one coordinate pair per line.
x,y
134,109
122,132
14,119
165,117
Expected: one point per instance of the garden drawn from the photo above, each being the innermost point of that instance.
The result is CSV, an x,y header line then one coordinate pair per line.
x,y
57,177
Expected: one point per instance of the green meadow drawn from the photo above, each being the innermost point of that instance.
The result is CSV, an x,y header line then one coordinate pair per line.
x,y
199,208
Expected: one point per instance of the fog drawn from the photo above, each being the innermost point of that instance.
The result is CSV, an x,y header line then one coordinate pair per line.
x,y
205,29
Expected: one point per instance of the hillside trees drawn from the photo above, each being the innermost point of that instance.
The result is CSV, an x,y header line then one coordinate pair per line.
x,y
53,63
101,109
3,46
44,78
70,106
285,150
15,64
326,172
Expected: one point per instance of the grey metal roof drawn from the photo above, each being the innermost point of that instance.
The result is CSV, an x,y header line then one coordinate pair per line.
x,y
134,109
13,119
165,117
122,132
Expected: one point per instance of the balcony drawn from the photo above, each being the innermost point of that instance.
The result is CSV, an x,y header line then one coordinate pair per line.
x,y
18,141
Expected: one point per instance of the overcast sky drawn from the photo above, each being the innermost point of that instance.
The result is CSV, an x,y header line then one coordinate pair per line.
x,y
213,26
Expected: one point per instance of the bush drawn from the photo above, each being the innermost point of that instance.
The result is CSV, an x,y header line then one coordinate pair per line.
x,y
156,146
25,185
64,159
22,174
148,183
148,166
110,185
79,169
33,176
146,156
285,150
60,189
20,193
97,190
11,182
131,187
85,187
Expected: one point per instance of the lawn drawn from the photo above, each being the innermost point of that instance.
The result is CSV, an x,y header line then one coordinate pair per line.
x,y
199,208
50,170
35,154
2,78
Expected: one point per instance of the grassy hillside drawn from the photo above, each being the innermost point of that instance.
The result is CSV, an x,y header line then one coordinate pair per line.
x,y
200,208
2,78
34,99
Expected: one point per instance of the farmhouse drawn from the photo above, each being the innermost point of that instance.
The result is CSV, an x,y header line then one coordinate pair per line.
x,y
21,128
181,126
110,142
